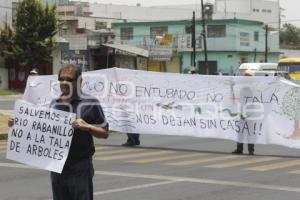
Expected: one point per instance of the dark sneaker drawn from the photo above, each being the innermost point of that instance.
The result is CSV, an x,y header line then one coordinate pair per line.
x,y
237,152
251,153
129,144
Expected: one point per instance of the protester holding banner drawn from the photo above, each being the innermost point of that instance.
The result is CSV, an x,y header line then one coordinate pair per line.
x,y
75,181
239,145
239,149
133,139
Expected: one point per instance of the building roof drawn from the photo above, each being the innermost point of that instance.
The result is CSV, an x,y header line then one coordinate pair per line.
x,y
209,21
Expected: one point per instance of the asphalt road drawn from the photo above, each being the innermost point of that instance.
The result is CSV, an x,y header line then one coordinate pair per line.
x,y
170,168
6,104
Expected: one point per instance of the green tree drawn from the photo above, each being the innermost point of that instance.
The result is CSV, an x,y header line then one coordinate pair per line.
x,y
31,40
290,35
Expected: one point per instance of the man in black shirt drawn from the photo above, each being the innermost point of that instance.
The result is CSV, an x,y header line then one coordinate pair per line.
x,y
75,181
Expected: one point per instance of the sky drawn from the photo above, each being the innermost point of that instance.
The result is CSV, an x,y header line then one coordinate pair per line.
x,y
291,7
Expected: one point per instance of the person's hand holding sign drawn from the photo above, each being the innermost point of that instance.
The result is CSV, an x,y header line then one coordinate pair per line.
x,y
10,122
82,125
95,131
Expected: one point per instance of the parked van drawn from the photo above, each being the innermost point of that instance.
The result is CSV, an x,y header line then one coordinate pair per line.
x,y
267,73
257,67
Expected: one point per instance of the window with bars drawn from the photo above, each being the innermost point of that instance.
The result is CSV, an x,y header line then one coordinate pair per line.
x,y
126,33
256,36
188,29
244,39
158,31
216,31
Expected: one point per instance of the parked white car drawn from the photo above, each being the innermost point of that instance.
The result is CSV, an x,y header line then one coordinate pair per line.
x,y
249,67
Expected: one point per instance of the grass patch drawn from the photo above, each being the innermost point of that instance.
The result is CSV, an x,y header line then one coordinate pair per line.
x,y
3,123
8,92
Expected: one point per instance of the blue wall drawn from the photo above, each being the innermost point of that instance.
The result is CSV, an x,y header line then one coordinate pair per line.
x,y
227,51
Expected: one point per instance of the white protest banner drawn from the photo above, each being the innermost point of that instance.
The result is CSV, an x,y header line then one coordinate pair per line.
x,y
46,91
40,137
264,110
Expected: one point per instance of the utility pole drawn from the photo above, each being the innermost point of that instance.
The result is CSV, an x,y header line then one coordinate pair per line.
x,y
204,38
266,43
194,40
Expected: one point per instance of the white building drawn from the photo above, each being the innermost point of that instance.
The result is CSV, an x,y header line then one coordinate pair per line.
x,y
139,13
260,10
267,11
5,11
5,16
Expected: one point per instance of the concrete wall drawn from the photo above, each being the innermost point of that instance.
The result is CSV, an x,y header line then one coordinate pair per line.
x,y
56,54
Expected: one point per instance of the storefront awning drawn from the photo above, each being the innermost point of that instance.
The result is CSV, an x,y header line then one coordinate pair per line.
x,y
129,49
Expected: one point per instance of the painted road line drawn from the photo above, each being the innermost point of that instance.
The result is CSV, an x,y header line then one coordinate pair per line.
x,y
180,179
203,160
136,155
167,158
294,172
273,166
3,147
16,165
134,187
7,112
242,162
201,181
116,152
101,148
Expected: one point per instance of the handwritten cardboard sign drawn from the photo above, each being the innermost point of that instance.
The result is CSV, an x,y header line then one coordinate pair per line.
x,y
40,137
